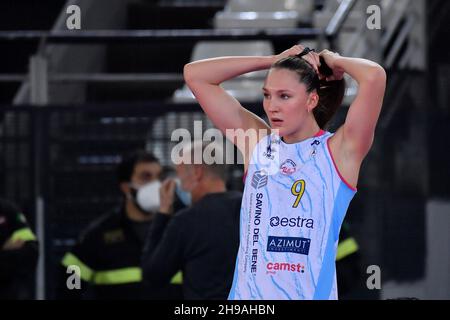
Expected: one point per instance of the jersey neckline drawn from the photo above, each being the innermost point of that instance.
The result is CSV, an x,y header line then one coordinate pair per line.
x,y
318,134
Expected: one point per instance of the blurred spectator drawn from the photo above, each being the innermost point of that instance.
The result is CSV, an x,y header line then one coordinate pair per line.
x,y
201,240
349,270
18,254
108,252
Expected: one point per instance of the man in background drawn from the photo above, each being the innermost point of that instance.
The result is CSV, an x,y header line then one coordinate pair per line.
x,y
201,240
108,252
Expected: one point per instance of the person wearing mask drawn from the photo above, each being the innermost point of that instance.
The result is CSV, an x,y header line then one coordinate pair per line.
x,y
201,240
108,252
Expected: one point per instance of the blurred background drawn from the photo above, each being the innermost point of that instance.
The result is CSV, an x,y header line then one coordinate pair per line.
x,y
73,101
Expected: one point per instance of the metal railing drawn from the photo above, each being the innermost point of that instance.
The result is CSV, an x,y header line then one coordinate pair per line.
x,y
99,77
329,36
87,37
148,36
337,21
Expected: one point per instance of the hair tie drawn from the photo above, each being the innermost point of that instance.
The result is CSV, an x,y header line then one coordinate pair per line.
x,y
305,52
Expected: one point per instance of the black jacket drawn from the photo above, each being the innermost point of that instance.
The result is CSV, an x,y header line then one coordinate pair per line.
x,y
202,241
349,267
108,254
17,266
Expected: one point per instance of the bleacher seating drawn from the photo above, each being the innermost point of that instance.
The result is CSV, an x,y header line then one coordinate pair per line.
x,y
264,14
244,88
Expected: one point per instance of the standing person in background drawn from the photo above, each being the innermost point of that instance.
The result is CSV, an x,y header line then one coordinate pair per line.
x,y
201,240
108,252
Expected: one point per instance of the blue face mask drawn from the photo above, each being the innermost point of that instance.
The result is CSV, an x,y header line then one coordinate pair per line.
x,y
183,195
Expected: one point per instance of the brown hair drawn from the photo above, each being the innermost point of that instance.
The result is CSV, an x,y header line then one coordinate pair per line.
x,y
331,93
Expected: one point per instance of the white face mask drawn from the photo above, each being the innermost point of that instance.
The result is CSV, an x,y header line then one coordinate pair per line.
x,y
147,197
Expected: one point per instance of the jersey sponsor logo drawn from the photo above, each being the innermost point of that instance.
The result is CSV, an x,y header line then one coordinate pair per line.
x,y
288,167
255,233
258,209
298,222
274,267
268,154
288,244
269,149
314,149
260,179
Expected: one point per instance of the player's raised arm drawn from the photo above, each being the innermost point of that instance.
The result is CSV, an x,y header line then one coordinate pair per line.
x,y
354,139
204,78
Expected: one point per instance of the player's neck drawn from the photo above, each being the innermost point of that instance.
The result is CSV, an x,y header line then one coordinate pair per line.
x,y
310,129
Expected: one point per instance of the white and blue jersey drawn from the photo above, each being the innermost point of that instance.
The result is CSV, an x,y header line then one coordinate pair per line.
x,y
293,206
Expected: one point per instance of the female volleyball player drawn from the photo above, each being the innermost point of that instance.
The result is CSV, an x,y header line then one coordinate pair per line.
x,y
291,216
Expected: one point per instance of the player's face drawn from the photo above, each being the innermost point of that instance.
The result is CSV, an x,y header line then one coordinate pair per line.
x,y
285,101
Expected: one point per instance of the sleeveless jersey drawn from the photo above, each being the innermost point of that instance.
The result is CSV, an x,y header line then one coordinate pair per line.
x,y
292,209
